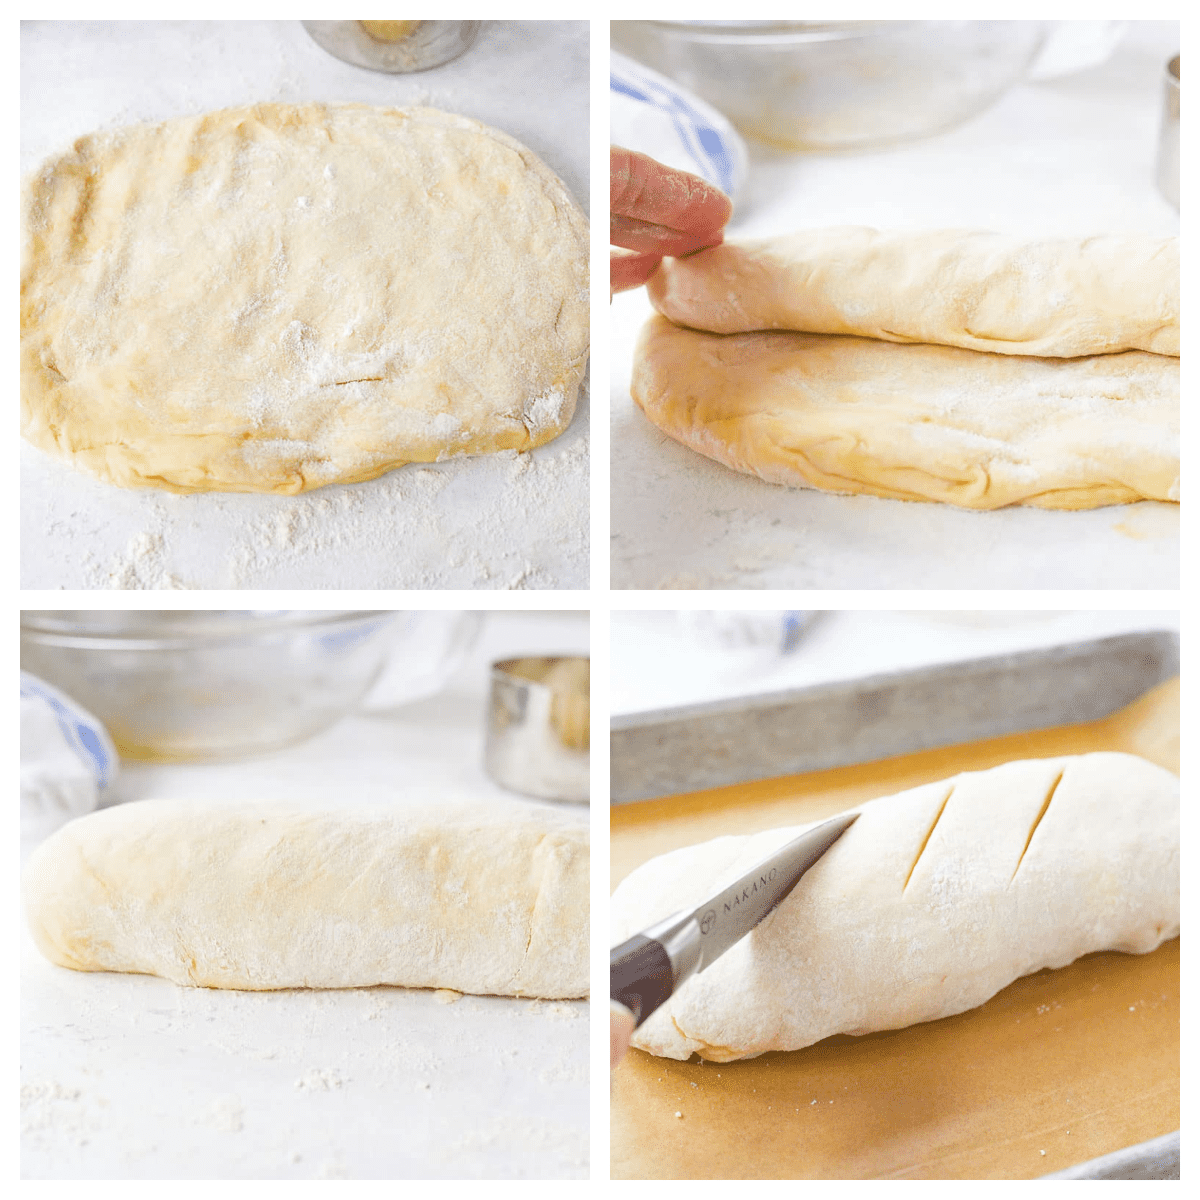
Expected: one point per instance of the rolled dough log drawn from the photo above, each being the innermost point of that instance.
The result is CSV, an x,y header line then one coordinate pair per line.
x,y
928,905
917,422
255,896
981,291
277,297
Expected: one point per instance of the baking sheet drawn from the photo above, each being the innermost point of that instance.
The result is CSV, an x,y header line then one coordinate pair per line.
x,y
832,724
1057,1069
503,521
1065,157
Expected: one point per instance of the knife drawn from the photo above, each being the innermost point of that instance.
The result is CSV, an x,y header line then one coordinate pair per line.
x,y
649,968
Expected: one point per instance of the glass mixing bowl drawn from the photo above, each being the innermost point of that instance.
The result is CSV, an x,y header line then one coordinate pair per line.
x,y
186,685
838,85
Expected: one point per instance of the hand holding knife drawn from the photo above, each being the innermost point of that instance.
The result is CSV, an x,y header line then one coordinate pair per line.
x,y
646,970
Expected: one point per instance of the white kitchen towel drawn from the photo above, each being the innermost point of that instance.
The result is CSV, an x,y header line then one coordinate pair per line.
x,y
68,761
766,633
654,115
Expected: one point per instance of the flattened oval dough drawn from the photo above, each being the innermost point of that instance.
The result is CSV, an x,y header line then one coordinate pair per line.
x,y
488,900
981,291
276,297
929,904
917,422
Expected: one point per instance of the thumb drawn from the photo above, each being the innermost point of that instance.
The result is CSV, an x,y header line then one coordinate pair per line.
x,y
621,1024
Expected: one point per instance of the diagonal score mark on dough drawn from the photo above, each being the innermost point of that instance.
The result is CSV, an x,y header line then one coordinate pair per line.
x,y
942,809
1037,821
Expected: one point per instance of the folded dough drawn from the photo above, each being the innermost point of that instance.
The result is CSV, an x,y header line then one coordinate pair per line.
x,y
257,896
929,904
276,297
917,422
981,291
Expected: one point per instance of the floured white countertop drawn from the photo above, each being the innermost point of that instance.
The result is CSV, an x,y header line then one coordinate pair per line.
x,y
1069,156
501,521
133,1077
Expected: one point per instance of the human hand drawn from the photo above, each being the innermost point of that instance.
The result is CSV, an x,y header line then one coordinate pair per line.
x,y
657,211
620,1029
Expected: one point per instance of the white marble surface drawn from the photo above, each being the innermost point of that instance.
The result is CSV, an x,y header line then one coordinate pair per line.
x,y
502,521
657,663
132,1077
1073,155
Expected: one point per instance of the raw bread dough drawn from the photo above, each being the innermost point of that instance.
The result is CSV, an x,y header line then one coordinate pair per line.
x,y
980,291
276,297
917,422
254,896
928,905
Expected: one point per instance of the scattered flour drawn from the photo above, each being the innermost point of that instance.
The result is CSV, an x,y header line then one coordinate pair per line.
x,y
564,1148
52,1113
225,1113
506,521
144,562
143,565
318,1080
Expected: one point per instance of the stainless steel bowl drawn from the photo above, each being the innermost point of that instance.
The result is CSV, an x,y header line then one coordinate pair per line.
x,y
397,47
836,85
539,727
186,685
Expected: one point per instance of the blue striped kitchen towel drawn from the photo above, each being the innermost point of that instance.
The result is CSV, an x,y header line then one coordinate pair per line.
x,y
68,761
654,115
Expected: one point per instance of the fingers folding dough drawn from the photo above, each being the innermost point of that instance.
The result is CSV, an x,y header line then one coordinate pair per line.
x,y
1058,298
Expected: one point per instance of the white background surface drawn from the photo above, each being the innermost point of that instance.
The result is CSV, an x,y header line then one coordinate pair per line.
x,y
658,663
500,521
134,1077
1071,156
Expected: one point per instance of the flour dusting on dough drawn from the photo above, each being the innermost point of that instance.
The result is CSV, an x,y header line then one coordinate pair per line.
x,y
276,297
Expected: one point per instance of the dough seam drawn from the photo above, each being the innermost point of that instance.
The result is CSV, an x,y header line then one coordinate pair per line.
x,y
532,915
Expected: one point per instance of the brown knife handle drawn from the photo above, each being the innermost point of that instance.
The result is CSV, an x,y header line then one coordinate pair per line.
x,y
640,975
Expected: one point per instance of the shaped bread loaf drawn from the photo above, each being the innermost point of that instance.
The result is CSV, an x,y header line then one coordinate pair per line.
x,y
932,901
260,896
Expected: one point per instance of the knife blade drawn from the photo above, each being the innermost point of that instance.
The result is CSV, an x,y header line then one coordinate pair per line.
x,y
648,968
